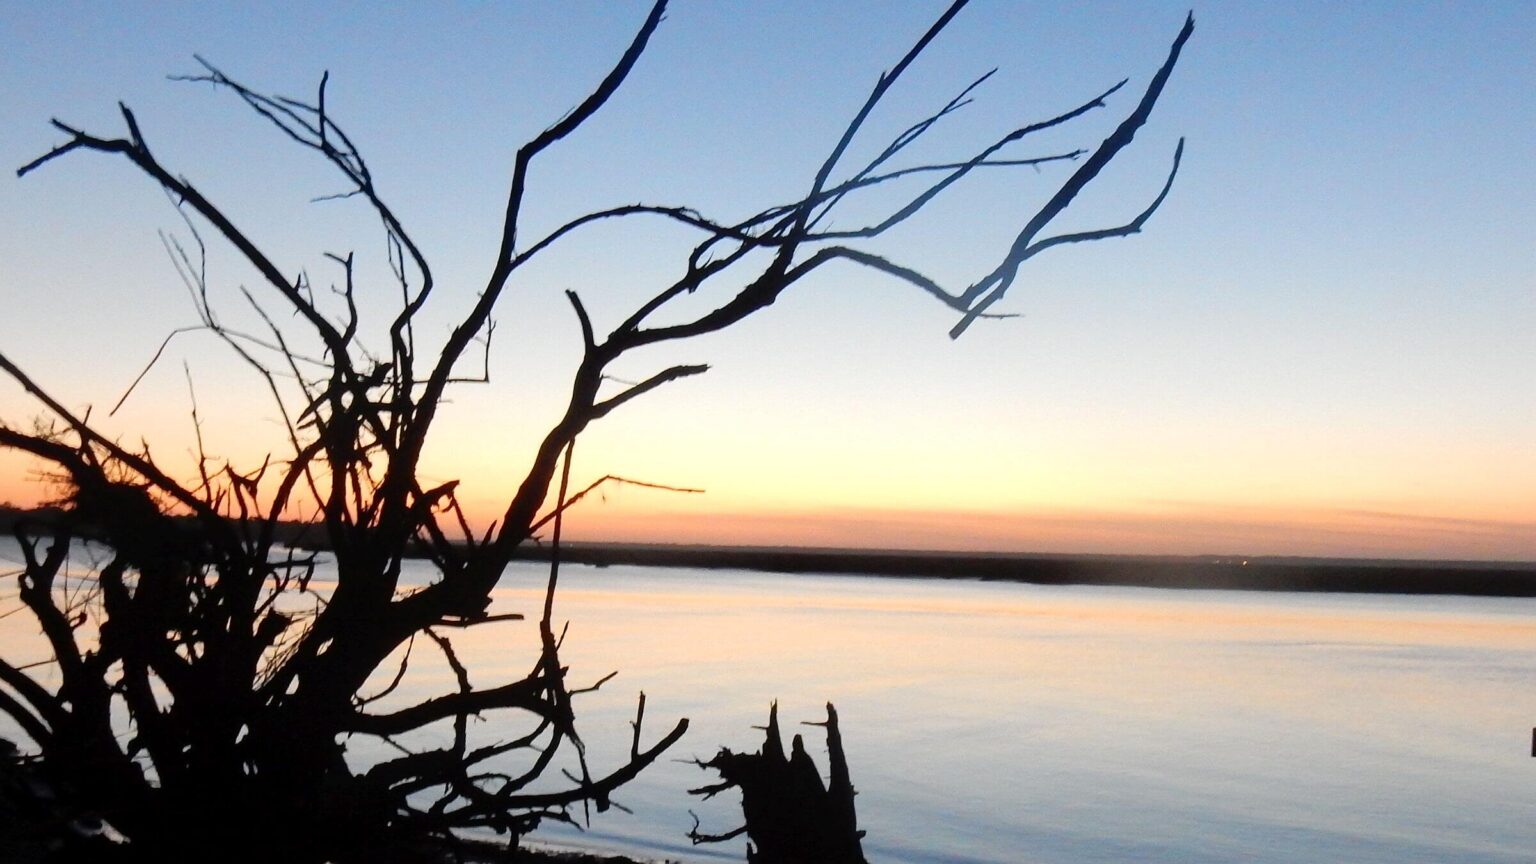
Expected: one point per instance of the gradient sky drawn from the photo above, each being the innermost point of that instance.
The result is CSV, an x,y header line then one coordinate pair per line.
x,y
1324,343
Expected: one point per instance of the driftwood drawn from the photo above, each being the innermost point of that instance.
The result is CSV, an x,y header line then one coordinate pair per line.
x,y
198,693
791,817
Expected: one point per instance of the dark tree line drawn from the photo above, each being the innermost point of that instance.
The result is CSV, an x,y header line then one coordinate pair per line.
x,y
200,688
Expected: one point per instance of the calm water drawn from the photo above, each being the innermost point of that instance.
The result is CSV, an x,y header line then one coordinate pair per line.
x,y
1005,723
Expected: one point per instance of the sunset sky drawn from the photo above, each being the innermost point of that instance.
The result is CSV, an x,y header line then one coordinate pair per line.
x,y
1324,343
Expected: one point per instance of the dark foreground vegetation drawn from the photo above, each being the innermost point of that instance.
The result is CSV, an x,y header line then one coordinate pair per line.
x,y
42,823
789,814
199,695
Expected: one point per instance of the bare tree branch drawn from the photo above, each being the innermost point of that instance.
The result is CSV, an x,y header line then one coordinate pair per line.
x,y
239,677
995,284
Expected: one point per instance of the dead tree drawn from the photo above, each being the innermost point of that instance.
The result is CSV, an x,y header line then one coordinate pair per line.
x,y
789,813
237,699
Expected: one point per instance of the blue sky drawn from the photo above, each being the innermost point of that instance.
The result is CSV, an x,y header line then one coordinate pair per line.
x,y
1321,344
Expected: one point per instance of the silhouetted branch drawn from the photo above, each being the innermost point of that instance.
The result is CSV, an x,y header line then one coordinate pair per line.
x,y
599,790
405,663
482,619
591,487
991,288
525,695
137,153
698,837
141,465
667,375
34,715
476,320
148,366
881,86
235,674
1129,228
960,171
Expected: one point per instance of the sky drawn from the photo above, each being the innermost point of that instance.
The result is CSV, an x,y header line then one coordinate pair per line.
x,y
1322,344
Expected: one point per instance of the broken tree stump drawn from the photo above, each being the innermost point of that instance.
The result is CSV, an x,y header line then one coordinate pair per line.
x,y
791,816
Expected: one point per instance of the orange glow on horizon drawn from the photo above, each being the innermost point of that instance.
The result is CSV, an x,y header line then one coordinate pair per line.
x,y
1173,530
623,514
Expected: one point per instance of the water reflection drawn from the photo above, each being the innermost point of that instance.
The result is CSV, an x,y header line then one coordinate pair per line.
x,y
995,722
989,722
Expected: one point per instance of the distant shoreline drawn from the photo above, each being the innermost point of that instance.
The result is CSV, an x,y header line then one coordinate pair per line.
x,y
1220,572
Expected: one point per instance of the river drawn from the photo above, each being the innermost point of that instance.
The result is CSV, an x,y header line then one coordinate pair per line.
x,y
998,723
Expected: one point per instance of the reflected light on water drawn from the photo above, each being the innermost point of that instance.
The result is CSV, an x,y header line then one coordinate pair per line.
x,y
997,722
993,722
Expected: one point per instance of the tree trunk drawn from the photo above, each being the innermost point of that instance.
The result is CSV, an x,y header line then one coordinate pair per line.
x,y
791,817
